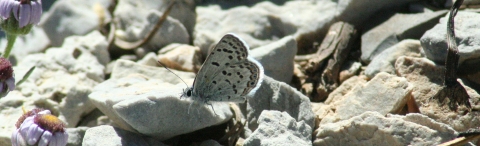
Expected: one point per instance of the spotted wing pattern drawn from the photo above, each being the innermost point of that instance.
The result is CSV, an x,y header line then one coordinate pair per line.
x,y
228,73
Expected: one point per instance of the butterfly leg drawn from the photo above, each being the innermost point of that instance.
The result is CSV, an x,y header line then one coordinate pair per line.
x,y
190,107
206,102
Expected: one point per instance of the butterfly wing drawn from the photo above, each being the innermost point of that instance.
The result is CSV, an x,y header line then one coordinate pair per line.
x,y
228,73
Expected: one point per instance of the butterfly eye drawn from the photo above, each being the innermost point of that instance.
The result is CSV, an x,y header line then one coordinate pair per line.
x,y
189,93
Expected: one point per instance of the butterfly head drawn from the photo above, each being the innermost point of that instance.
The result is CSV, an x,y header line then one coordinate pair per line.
x,y
187,92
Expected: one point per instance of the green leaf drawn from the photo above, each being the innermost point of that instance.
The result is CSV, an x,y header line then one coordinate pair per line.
x,y
26,76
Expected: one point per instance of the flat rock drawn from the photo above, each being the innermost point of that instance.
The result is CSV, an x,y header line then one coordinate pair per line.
x,y
94,42
123,68
373,128
355,11
67,18
139,101
262,23
183,11
276,95
150,59
385,61
339,93
349,69
397,28
467,34
180,57
426,78
61,82
268,56
75,63
75,135
111,136
279,128
385,94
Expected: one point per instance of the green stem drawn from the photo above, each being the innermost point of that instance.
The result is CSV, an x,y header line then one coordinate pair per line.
x,y
10,41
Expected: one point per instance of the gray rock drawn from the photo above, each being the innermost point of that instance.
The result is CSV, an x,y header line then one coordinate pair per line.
x,y
277,58
349,69
372,128
183,11
69,17
321,110
150,60
279,128
467,33
139,102
426,78
111,136
132,27
385,93
475,77
210,143
61,82
75,105
63,78
265,22
75,136
46,5
123,68
180,57
355,11
385,61
339,93
268,21
95,118
94,42
276,95
395,29
262,23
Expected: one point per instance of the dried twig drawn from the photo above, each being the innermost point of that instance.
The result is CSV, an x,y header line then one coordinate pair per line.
x,y
463,138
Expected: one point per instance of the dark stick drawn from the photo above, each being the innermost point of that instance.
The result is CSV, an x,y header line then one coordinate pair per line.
x,y
451,63
452,89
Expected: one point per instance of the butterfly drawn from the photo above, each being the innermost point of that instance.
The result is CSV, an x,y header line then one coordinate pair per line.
x,y
228,74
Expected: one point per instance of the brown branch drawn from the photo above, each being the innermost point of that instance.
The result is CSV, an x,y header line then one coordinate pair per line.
x,y
464,137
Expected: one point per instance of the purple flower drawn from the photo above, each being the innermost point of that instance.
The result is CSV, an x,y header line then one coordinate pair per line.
x,y
7,81
25,11
39,127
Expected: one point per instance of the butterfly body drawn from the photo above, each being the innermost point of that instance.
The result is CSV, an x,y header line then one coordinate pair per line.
x,y
228,74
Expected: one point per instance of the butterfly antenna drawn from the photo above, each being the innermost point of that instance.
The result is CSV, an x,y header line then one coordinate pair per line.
x,y
172,72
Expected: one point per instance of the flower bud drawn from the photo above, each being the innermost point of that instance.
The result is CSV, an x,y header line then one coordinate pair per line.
x,y
19,16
